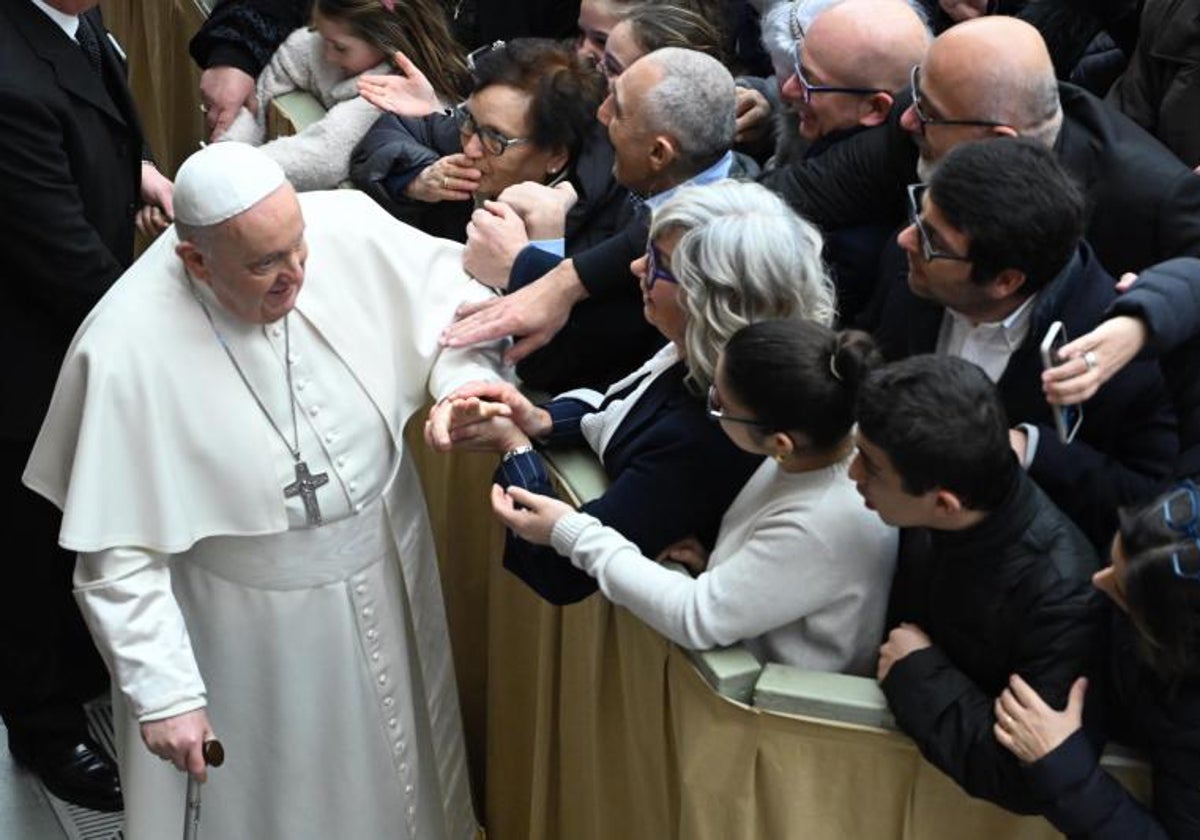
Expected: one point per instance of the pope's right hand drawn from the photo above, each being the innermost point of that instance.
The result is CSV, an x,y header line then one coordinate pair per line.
x,y
180,740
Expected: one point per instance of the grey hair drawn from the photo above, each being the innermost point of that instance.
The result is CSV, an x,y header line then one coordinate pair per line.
x,y
201,236
743,256
694,102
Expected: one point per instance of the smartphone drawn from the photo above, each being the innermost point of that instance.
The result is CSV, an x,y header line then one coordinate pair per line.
x,y
1067,418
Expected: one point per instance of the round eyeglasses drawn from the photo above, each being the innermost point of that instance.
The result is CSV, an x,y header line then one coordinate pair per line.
x,y
494,143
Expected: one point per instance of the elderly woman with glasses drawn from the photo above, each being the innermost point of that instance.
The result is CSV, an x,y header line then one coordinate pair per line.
x,y
719,257
1151,688
530,116
801,569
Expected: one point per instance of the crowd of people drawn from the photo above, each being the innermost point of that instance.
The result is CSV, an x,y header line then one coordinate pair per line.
x,y
791,269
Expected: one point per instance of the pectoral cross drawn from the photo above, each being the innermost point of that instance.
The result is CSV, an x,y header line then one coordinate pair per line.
x,y
305,486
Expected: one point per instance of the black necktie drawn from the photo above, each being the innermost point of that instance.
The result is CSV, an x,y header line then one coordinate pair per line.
x,y
91,47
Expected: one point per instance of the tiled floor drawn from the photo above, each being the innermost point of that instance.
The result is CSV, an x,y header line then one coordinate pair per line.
x,y
24,811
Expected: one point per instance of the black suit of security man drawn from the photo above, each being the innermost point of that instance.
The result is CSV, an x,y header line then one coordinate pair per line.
x,y
71,150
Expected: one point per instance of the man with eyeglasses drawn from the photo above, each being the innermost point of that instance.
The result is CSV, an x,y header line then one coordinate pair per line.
x,y
995,257
670,117
848,66
993,77
846,70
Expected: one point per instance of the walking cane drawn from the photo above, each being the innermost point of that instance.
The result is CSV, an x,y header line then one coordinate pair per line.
x,y
214,756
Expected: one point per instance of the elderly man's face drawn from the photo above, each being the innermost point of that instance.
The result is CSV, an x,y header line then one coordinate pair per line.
x,y
623,113
254,262
945,109
822,111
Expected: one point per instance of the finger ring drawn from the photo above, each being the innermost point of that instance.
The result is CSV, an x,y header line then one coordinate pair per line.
x,y
444,179
203,108
1089,359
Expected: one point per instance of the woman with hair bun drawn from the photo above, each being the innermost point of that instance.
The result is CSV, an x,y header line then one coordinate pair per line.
x,y
801,569
1152,688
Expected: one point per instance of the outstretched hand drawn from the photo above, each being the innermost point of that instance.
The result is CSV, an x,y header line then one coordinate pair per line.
x,y
536,516
534,313
407,95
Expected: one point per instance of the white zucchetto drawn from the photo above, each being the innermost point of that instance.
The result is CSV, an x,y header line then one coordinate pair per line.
x,y
222,180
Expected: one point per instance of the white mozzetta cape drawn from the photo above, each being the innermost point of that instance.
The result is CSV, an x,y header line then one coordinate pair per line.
x,y
131,450
324,652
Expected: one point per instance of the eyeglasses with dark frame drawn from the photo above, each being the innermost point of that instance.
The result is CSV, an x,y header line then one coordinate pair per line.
x,y
715,412
654,268
1181,513
808,89
925,120
915,191
494,142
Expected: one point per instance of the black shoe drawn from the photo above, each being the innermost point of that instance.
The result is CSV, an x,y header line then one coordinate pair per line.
x,y
79,773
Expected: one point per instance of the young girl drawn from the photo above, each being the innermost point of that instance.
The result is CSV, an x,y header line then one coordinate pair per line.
x,y
801,568
348,38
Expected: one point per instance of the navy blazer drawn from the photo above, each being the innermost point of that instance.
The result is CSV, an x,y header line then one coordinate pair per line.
x,y
1166,297
1129,440
70,172
672,474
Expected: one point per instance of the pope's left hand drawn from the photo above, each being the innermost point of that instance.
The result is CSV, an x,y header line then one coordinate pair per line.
x,y
1028,727
158,210
903,640
536,522
495,235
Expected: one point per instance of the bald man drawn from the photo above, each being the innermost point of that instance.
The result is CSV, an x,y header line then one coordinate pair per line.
x,y
851,62
847,68
993,77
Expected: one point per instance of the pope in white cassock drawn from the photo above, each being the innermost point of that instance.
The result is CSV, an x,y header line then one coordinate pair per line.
x,y
255,560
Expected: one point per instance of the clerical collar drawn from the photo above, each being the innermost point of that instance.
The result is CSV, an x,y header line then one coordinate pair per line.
x,y
716,172
67,23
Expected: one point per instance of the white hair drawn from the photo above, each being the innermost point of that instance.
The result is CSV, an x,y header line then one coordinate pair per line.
x,y
695,102
744,256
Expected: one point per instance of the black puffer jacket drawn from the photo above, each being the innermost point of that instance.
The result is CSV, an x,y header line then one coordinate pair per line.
x,y
1010,595
1082,800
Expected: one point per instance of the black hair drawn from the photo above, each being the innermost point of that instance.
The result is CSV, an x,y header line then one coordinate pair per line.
x,y
941,423
566,89
1164,604
798,375
1018,206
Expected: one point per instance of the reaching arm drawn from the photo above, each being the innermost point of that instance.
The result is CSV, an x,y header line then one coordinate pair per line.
x,y
951,718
